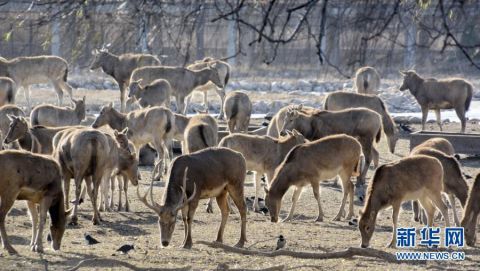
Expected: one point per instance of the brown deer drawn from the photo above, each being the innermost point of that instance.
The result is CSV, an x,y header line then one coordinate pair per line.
x,y
470,213
54,116
238,109
120,67
367,80
190,181
453,93
415,177
311,163
29,70
41,188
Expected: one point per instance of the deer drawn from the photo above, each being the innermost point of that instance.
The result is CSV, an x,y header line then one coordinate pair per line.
x,y
120,67
5,111
223,69
367,80
183,123
41,188
311,163
361,123
84,153
470,213
263,154
54,116
37,139
182,80
452,93
343,100
156,93
150,125
238,109
29,70
189,181
410,178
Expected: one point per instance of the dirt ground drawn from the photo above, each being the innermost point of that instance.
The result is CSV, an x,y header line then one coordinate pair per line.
x,y
139,227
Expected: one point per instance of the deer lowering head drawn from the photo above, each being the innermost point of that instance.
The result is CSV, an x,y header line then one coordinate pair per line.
x,y
167,213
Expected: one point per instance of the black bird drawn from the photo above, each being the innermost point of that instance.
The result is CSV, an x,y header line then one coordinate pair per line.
x,y
406,128
125,248
281,242
90,240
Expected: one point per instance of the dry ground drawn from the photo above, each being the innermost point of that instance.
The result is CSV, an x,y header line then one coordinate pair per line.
x,y
140,228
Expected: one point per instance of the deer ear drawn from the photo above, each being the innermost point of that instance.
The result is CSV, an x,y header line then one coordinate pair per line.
x,y
402,72
115,132
295,132
125,131
300,107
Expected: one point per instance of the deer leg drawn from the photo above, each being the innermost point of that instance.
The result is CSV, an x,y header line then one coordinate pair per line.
x,y
112,191
32,208
125,192
66,190
439,118
78,187
360,184
222,99
192,206
160,159
59,91
224,209
375,157
438,202
256,177
210,206
424,116
296,195
181,104
6,204
205,101
121,85
395,211
44,205
461,115
26,91
416,211
451,198
316,194
66,86
346,191
96,185
237,195
231,126
429,208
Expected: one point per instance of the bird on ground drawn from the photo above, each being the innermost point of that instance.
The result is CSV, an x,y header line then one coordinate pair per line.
x,y
281,242
125,248
90,240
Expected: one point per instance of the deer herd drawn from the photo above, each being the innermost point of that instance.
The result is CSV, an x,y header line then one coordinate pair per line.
x,y
301,146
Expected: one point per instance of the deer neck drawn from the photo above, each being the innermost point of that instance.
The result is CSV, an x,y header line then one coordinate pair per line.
x,y
109,65
202,77
280,186
118,121
173,195
181,123
26,140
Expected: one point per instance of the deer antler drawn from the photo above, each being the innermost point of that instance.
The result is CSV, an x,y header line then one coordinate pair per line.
x,y
154,206
183,201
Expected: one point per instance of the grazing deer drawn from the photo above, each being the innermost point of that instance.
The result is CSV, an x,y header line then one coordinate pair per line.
x,y
38,180
453,182
213,172
223,69
453,93
361,123
263,154
367,80
470,213
120,67
238,109
311,163
8,90
182,80
276,123
343,100
183,124
91,153
54,116
150,125
29,70
416,177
